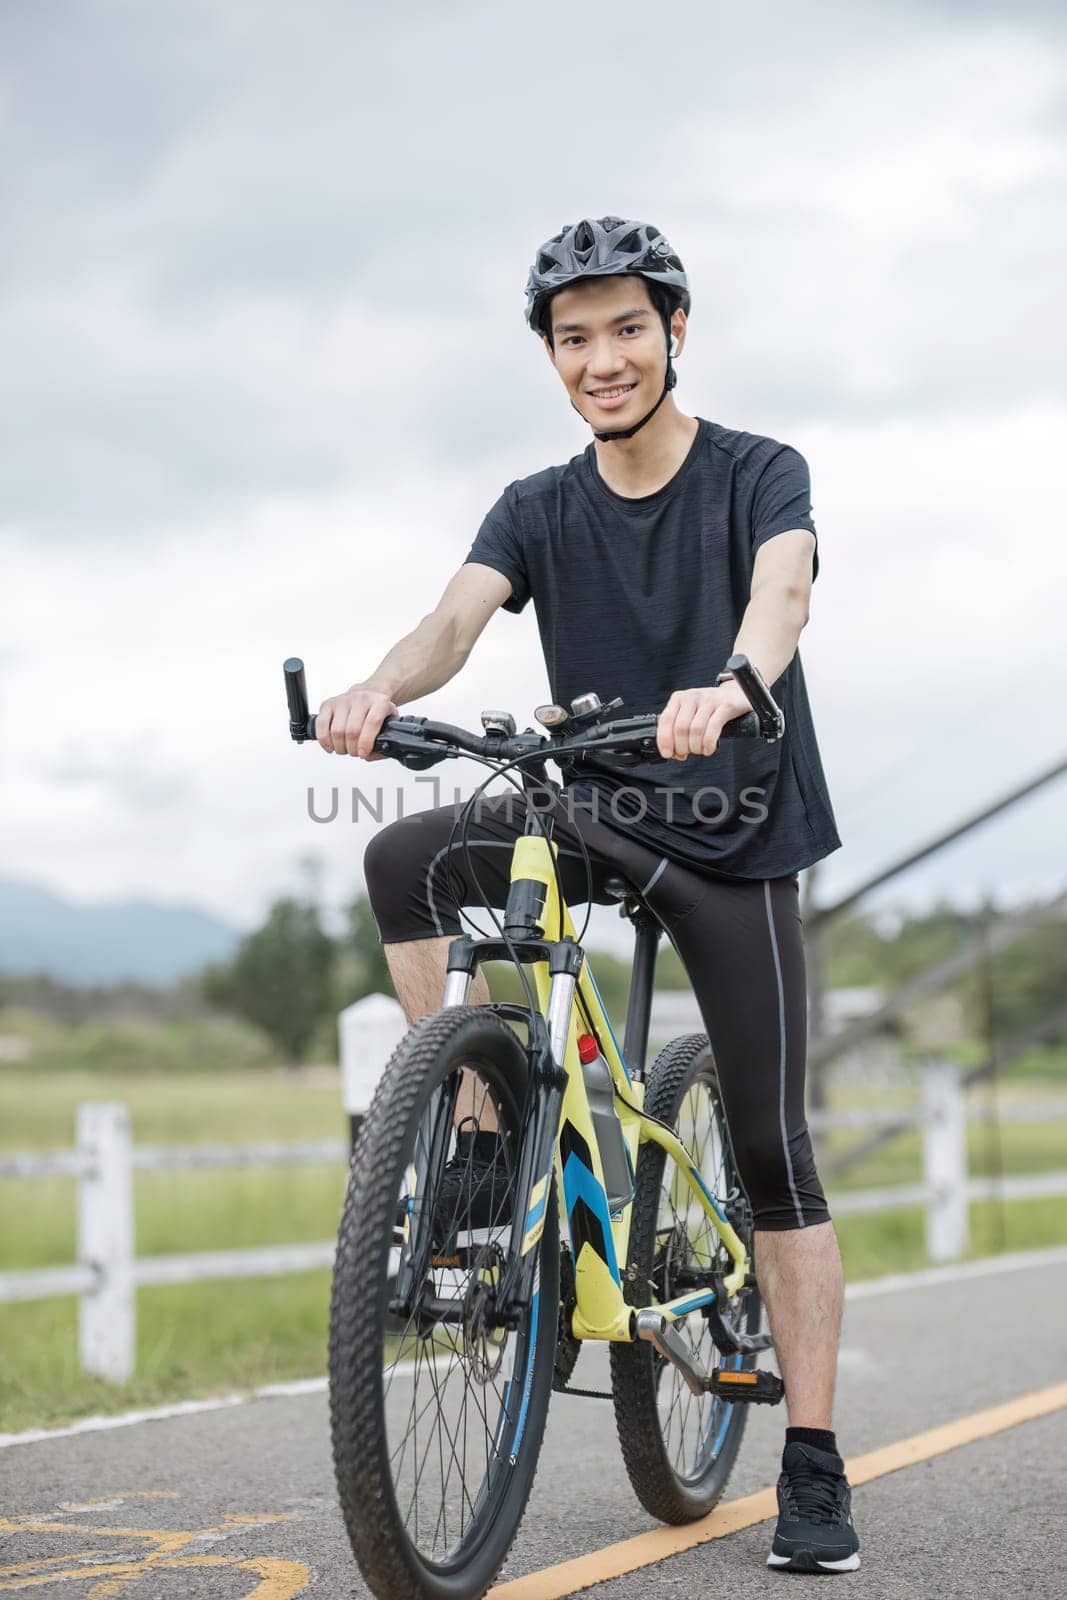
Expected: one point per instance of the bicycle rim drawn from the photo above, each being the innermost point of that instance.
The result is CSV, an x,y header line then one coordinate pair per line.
x,y
438,1416
679,1448
693,1427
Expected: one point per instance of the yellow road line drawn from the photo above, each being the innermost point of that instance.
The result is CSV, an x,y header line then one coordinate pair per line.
x,y
554,1583
278,1579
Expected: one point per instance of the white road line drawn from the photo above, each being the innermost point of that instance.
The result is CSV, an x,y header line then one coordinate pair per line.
x,y
182,1408
987,1267
893,1283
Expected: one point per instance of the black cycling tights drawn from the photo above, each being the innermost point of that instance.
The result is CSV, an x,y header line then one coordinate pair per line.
x,y
739,940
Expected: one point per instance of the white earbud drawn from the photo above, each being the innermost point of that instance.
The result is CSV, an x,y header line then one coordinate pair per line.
x,y
674,345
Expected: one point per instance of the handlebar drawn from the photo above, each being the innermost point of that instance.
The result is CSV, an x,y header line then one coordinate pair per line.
x,y
418,742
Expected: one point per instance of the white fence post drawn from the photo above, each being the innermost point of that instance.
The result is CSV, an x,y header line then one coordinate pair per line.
x,y
105,1241
944,1133
369,1032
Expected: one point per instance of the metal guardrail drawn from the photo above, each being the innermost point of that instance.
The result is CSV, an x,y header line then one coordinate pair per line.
x,y
107,1273
1005,932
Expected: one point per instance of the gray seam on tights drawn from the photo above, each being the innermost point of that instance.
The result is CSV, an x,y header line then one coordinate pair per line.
x,y
781,1058
478,844
654,876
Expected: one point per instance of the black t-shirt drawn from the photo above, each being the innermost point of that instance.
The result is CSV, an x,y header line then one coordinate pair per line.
x,y
639,597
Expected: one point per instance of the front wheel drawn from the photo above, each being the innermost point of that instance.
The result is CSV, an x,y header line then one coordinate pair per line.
x,y
437,1406
680,1448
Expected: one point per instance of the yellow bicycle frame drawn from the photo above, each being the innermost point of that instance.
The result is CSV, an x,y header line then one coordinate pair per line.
x,y
600,1240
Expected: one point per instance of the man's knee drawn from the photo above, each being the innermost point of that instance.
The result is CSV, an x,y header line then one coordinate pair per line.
x,y
398,865
387,861
781,1180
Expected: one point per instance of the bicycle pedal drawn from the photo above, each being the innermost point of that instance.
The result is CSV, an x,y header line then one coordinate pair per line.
x,y
749,1388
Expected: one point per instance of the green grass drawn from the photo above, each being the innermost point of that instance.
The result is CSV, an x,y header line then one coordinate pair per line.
x,y
193,1338
1041,1061
1024,1147
37,1108
134,1046
217,1337
893,1241
197,1339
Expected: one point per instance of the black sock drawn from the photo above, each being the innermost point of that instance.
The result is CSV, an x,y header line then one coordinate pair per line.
x,y
487,1144
818,1438
483,1144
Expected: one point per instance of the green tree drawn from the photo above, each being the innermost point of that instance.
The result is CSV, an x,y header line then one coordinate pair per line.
x,y
1028,978
371,974
612,975
281,977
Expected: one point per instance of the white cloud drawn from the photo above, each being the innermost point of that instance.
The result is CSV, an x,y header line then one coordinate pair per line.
x,y
904,144
267,369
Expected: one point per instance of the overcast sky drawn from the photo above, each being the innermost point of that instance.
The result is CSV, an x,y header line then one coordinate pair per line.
x,y
264,368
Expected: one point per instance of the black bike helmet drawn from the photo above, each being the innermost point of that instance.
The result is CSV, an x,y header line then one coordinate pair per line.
x,y
608,247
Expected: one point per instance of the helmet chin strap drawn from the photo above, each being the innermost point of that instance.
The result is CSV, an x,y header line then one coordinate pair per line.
x,y
627,433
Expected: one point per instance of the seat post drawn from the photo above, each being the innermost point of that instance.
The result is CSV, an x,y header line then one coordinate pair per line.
x,y
642,979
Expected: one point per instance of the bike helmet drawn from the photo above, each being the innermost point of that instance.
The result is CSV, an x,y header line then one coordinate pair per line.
x,y
609,247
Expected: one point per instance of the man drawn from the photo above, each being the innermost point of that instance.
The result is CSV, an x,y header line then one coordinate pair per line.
x,y
668,545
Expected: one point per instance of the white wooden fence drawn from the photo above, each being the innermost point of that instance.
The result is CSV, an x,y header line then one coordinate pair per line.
x,y
108,1272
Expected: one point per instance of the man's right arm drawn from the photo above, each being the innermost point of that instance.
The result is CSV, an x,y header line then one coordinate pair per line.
x,y
424,660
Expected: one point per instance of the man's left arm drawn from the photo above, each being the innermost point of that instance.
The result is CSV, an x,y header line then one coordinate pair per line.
x,y
692,720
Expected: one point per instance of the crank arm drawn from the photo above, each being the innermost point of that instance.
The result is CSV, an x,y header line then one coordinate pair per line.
x,y
748,1388
661,1335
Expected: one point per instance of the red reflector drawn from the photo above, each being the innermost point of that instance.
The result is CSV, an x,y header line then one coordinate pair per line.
x,y
588,1049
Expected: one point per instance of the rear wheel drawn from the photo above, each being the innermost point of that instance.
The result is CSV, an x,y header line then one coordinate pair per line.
x,y
437,1408
680,1448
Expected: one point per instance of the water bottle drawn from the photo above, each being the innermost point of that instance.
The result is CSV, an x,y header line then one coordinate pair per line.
x,y
614,1156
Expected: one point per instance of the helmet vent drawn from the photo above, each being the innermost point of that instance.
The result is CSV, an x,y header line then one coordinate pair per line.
x,y
602,247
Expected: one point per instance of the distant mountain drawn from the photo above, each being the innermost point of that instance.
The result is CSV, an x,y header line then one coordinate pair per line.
x,y
122,939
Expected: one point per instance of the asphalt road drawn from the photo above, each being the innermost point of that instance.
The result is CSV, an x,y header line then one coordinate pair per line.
x,y
240,1501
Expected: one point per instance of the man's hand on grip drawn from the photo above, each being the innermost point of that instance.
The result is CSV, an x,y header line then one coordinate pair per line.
x,y
348,724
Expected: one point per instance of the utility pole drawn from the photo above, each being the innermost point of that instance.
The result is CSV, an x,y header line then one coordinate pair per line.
x,y
987,1023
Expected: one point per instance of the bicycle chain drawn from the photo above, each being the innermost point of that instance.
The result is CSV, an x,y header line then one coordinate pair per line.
x,y
568,1348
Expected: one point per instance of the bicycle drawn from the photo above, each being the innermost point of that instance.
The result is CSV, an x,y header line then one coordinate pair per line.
x,y
456,1308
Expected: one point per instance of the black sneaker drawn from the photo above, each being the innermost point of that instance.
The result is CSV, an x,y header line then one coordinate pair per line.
x,y
473,1203
815,1532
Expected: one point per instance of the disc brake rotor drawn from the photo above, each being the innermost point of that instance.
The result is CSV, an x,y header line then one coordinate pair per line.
x,y
486,1342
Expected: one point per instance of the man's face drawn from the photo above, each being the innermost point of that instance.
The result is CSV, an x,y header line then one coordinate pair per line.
x,y
610,349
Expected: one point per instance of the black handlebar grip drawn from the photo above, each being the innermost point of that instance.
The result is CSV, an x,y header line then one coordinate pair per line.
x,y
756,692
301,720
746,727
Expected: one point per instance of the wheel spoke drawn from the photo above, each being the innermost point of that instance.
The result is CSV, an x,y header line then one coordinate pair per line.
x,y
444,1437
426,1388
686,1240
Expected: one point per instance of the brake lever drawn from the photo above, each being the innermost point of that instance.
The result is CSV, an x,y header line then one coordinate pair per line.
x,y
574,752
409,747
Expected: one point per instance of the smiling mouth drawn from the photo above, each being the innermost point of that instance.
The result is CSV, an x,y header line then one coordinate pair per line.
x,y
612,394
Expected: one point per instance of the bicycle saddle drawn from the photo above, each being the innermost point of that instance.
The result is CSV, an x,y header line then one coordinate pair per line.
x,y
632,902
